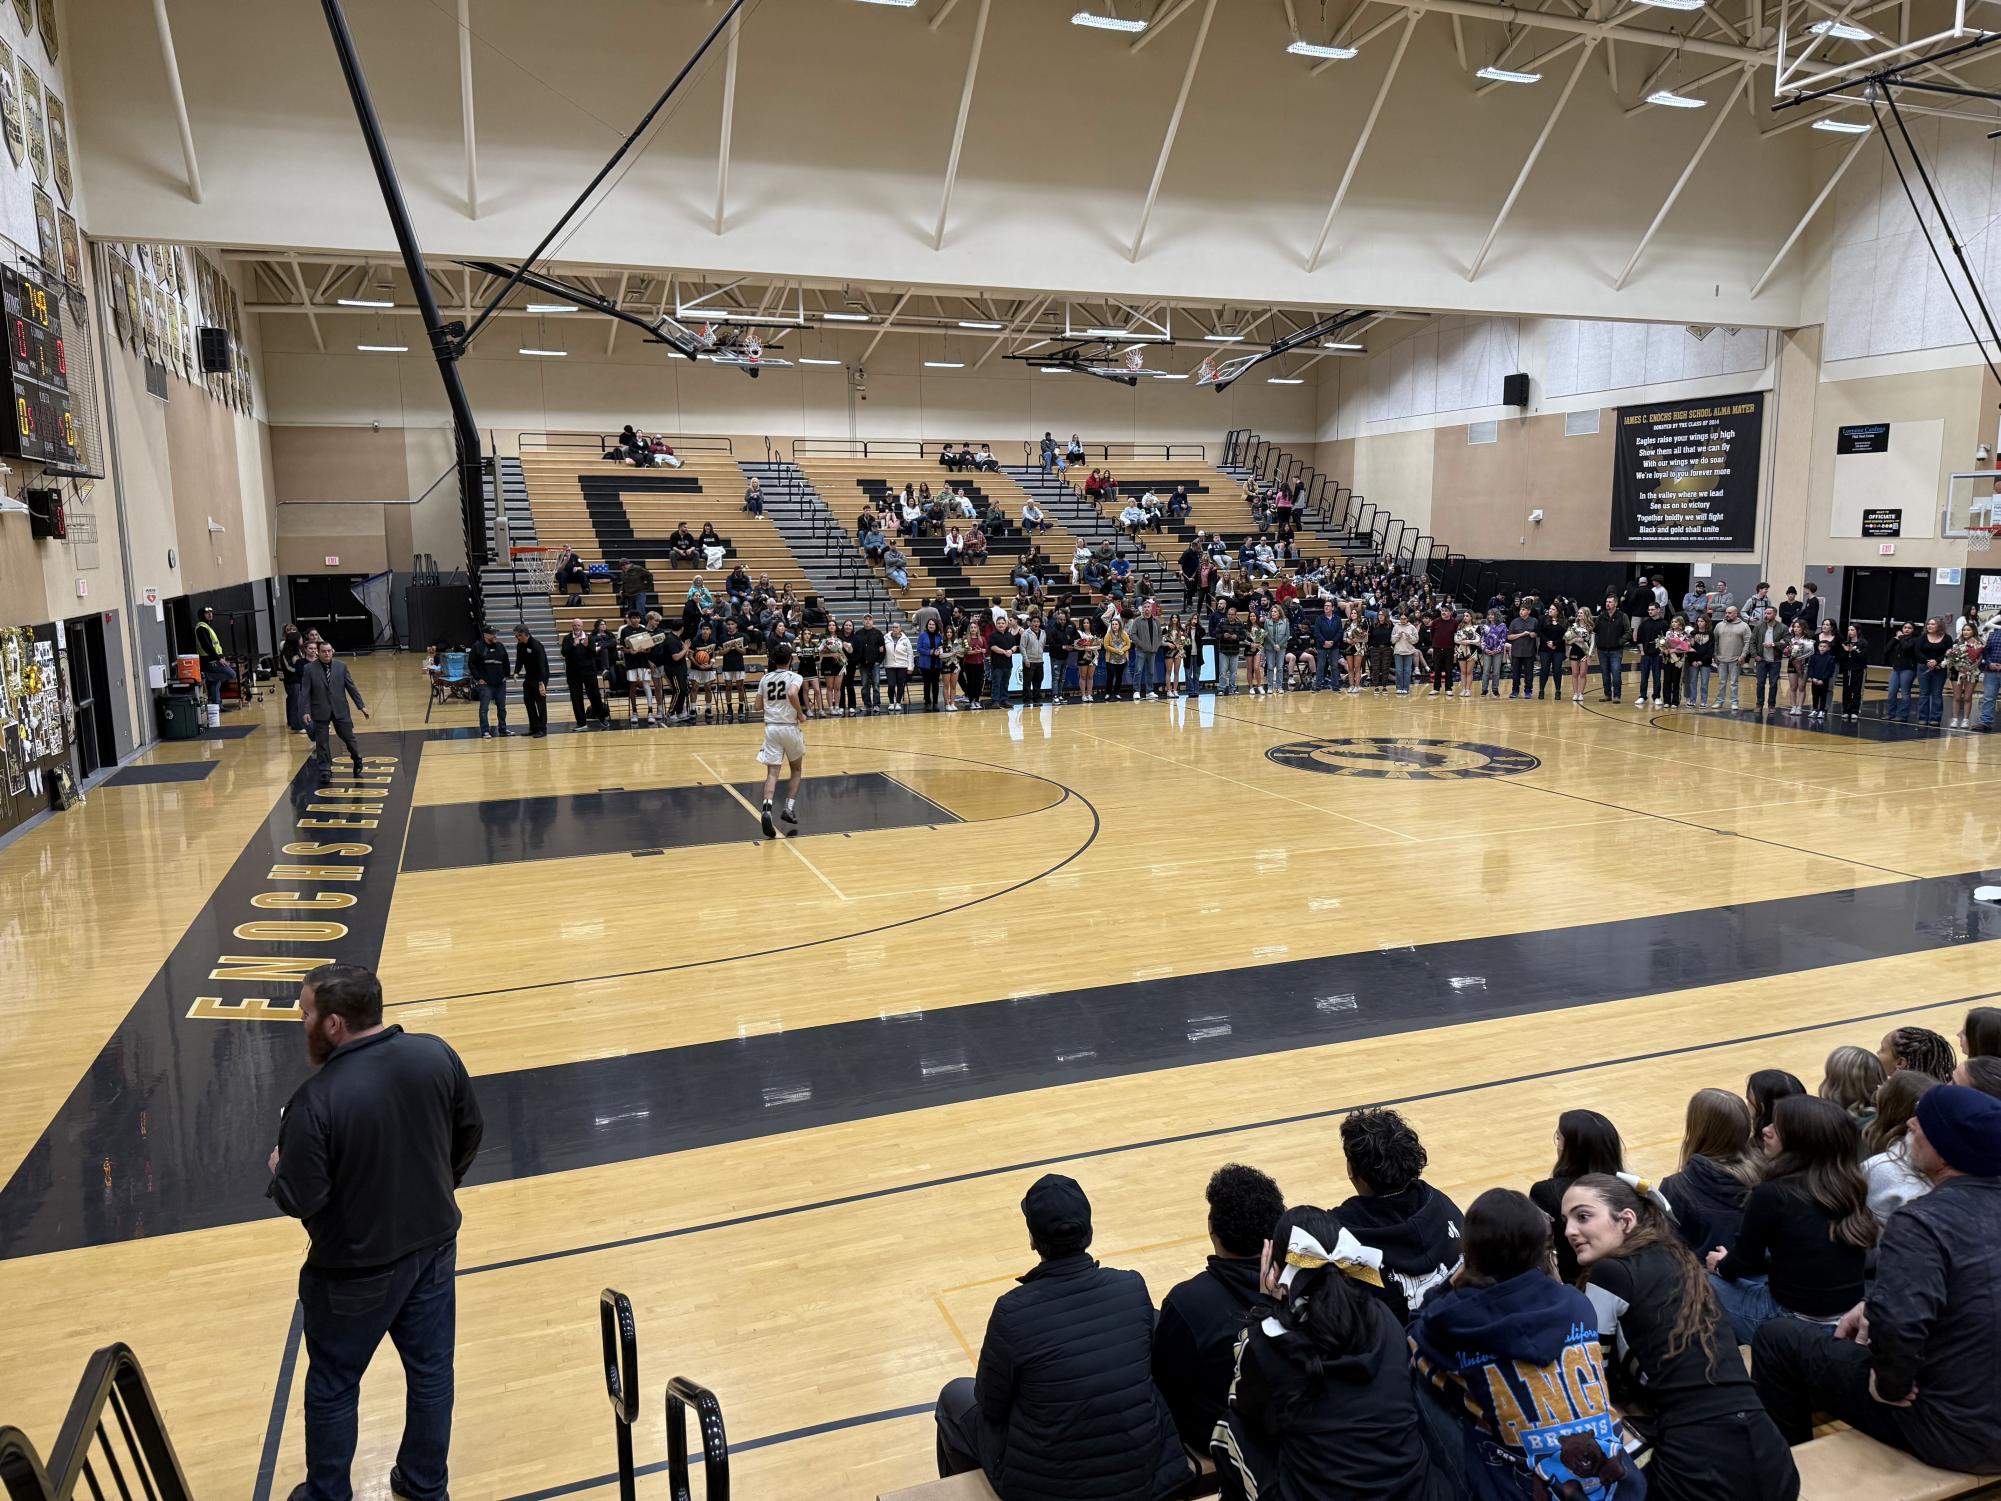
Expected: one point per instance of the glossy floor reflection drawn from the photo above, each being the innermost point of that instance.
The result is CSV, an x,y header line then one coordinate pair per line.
x,y
1125,938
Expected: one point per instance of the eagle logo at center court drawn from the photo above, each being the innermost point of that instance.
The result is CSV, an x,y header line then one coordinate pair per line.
x,y
1397,758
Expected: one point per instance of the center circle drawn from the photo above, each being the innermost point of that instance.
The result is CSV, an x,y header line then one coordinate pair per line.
x,y
1403,758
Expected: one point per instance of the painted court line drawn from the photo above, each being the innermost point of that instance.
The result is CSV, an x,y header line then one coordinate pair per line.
x,y
744,802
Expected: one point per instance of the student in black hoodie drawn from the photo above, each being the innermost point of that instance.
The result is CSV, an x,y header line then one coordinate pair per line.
x,y
1394,1211
1675,1371
1717,1171
1322,1407
1586,1142
1195,1342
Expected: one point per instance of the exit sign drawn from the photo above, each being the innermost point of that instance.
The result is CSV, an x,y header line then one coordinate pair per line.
x,y
333,562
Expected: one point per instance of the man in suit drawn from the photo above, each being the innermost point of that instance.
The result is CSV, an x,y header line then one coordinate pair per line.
x,y
329,686
580,666
532,662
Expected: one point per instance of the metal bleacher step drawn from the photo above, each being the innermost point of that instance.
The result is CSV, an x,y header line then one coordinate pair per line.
x,y
820,542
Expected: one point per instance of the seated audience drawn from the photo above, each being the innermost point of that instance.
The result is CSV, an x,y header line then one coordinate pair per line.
x,y
753,499
1762,1091
954,543
1676,1373
1851,1078
1064,1406
1913,1365
1982,1073
1177,504
572,577
985,460
976,545
1981,1036
1322,1407
1586,1142
1914,1047
1032,517
1717,1171
896,566
681,545
1807,1228
1886,1165
1195,1342
1511,1357
1393,1210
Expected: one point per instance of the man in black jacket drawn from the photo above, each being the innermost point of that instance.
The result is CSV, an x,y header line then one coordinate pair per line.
x,y
371,1149
1395,1211
1195,1342
328,691
531,660
580,666
1649,631
1064,1407
490,669
1610,632
866,653
1913,1365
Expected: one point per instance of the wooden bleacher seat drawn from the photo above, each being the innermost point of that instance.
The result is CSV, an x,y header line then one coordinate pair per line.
x,y
1850,1466
971,1486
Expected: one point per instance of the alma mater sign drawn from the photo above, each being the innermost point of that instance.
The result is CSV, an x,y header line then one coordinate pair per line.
x,y
1685,475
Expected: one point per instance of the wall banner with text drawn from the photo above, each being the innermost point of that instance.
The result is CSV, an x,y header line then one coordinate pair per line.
x,y
1685,475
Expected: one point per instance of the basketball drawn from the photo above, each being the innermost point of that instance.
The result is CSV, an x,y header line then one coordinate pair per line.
x,y
701,656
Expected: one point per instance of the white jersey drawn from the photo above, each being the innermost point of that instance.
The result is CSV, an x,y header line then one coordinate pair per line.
x,y
774,690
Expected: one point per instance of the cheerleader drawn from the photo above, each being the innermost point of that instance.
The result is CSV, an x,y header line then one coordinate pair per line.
x,y
1675,650
1171,644
1086,647
833,664
1466,651
948,661
1798,647
1577,646
1355,639
1962,674
1255,653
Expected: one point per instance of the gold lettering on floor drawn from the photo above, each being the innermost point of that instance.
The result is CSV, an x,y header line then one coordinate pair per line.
x,y
294,901
251,1008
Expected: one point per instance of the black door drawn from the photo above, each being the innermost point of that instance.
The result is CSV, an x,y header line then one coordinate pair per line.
x,y
83,642
1878,600
328,604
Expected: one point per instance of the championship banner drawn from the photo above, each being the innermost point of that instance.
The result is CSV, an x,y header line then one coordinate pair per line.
x,y
1685,475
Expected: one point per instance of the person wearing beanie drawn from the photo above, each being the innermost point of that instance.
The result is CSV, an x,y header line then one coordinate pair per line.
x,y
1912,1365
1064,1407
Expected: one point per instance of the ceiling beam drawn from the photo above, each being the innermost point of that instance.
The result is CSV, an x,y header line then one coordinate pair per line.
x,y
179,98
890,322
611,338
1708,136
1030,311
1170,12
959,127
1362,141
729,120
1173,126
1528,166
299,276
1819,199
465,108
943,11
1492,10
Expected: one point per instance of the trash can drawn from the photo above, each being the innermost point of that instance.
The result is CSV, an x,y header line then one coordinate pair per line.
x,y
180,715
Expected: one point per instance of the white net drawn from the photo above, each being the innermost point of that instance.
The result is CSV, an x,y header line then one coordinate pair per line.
x,y
531,569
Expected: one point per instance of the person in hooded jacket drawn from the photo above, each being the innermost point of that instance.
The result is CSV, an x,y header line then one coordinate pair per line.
x,y
1512,1358
1064,1407
1394,1211
1322,1407
1195,1342
1717,1171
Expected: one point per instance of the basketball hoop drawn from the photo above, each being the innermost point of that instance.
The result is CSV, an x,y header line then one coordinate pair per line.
x,y
531,569
1205,373
1980,538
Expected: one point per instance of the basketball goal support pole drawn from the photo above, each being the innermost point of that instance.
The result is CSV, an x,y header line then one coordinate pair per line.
x,y
446,338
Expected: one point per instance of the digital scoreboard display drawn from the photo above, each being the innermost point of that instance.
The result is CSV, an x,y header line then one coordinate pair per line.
x,y
41,421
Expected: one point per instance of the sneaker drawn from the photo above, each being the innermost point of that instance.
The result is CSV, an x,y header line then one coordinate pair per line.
x,y
764,822
951,708
1465,692
486,734
791,821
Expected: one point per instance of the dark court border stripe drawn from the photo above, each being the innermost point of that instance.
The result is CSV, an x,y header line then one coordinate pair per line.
x,y
1097,824
267,1463
860,1420
1207,1133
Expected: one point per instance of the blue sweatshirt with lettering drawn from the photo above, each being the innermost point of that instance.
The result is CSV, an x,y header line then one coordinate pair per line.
x,y
1519,1368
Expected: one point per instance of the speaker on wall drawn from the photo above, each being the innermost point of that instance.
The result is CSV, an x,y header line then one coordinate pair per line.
x,y
214,346
1515,390
45,513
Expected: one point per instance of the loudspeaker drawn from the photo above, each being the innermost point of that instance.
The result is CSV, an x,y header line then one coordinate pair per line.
x,y
1515,390
214,344
45,513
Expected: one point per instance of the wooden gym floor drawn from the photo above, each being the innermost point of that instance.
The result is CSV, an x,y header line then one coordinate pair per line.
x,y
787,1096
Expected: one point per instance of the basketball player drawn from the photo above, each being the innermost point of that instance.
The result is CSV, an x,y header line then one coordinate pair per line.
x,y
784,740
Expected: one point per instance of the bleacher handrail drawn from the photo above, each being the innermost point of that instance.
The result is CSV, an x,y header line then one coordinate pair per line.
x,y
1124,453
112,1379
598,442
619,1334
681,1395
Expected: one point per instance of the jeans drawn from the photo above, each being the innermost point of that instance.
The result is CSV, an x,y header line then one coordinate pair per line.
x,y
1406,669
1727,674
1990,689
1611,665
1801,1369
1145,671
1329,654
1650,672
1522,671
899,680
1931,695
1226,672
1768,684
1274,668
1695,683
871,685
1490,672
1902,681
414,1301
214,674
1548,670
1001,670
496,695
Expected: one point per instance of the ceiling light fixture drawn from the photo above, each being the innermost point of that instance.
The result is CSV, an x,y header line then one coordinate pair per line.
x,y
846,317
1124,333
1508,75
1338,344
899,4
383,348
1673,4
1842,127
547,354
980,323
552,307
1219,338
1284,380
1672,100
1847,31
1317,49
1105,23
944,364
362,302
1058,369
808,360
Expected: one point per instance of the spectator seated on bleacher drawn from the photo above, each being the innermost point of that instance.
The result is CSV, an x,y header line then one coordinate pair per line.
x,y
954,543
681,546
1131,518
976,545
1177,504
571,575
1080,560
985,460
737,586
1194,1344
1394,1210
1032,518
753,498
1064,1407
1912,1365
1094,485
896,566
1119,576
955,506
714,548
1150,504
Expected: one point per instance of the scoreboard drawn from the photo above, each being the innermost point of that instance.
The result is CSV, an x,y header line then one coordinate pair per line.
x,y
40,423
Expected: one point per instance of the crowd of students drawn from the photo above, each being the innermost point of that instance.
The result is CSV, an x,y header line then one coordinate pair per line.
x,y
1582,1340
